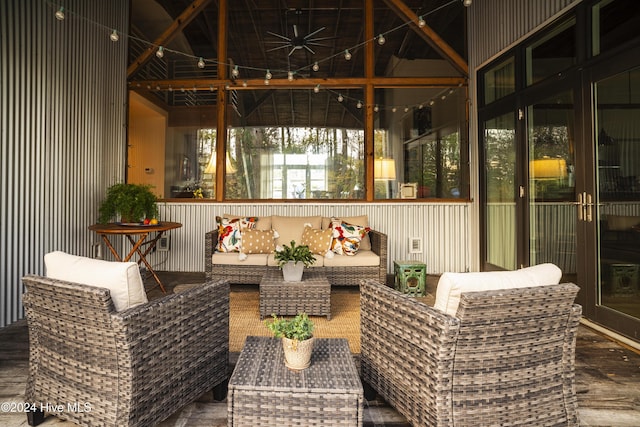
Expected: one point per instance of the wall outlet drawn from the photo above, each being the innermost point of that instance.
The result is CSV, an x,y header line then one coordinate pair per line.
x,y
163,244
415,245
97,250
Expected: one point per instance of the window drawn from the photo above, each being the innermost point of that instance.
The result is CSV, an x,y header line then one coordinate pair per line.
x,y
614,22
500,80
295,163
553,53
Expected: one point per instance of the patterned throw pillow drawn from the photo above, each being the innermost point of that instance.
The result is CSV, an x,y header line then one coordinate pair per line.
x,y
258,242
347,237
230,232
319,241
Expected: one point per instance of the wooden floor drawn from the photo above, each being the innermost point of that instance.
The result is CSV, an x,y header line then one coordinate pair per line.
x,y
607,381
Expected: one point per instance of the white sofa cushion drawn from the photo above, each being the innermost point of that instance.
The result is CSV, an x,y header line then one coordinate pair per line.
x,y
121,278
452,285
271,261
234,259
361,259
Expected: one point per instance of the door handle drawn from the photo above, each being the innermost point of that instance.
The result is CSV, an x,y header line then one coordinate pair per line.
x,y
589,208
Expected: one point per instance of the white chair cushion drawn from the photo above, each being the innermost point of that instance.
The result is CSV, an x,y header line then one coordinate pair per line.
x,y
121,278
452,285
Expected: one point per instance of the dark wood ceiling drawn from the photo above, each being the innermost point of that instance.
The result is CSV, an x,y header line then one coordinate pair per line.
x,y
270,35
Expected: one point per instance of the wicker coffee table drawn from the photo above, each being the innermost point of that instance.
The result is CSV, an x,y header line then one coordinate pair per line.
x,y
263,392
312,295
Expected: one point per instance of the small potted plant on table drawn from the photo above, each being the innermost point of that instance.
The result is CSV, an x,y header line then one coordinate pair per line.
x,y
129,203
292,260
297,339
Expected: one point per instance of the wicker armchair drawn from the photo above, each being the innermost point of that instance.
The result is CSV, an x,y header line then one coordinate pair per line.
x,y
507,358
97,367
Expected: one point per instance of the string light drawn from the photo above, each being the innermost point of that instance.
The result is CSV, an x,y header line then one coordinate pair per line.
x,y
235,72
210,88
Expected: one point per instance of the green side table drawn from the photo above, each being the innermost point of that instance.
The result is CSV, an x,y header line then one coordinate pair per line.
x,y
411,277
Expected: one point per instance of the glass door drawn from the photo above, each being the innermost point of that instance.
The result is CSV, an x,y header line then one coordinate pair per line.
x,y
617,211
552,197
499,214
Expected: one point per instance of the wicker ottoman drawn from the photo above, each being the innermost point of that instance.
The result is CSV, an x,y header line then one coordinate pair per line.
x,y
312,295
263,392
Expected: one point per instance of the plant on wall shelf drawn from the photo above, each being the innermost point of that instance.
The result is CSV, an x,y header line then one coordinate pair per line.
x,y
128,203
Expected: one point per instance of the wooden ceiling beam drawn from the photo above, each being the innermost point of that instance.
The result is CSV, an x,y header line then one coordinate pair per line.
x,y
331,83
429,35
169,34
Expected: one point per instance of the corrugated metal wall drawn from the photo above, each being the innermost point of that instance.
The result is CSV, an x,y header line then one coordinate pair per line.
x,y
443,228
62,129
496,25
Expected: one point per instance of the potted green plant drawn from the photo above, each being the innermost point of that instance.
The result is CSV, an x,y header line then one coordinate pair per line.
x,y
293,259
297,339
128,203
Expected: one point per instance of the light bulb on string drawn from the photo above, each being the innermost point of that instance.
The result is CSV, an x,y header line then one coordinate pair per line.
x,y
290,76
210,88
266,82
268,75
347,55
60,14
157,87
420,107
376,108
406,109
170,89
244,83
201,63
393,110
381,40
315,67
359,104
421,22
432,102
226,87
114,36
235,72
466,3
160,52
316,89
340,98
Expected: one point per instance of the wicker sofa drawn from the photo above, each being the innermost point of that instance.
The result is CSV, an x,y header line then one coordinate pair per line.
x,y
370,261
132,367
506,358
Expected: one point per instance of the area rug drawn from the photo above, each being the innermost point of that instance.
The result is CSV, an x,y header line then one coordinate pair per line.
x,y
344,323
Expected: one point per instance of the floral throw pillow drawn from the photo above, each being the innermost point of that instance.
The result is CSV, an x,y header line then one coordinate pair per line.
x,y
347,237
319,241
230,232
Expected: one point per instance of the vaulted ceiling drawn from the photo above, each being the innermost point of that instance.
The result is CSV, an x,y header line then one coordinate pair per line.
x,y
286,36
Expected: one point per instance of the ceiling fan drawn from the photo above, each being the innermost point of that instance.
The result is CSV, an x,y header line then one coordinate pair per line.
x,y
298,42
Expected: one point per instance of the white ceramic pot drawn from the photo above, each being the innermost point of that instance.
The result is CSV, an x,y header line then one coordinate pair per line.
x,y
297,354
292,271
